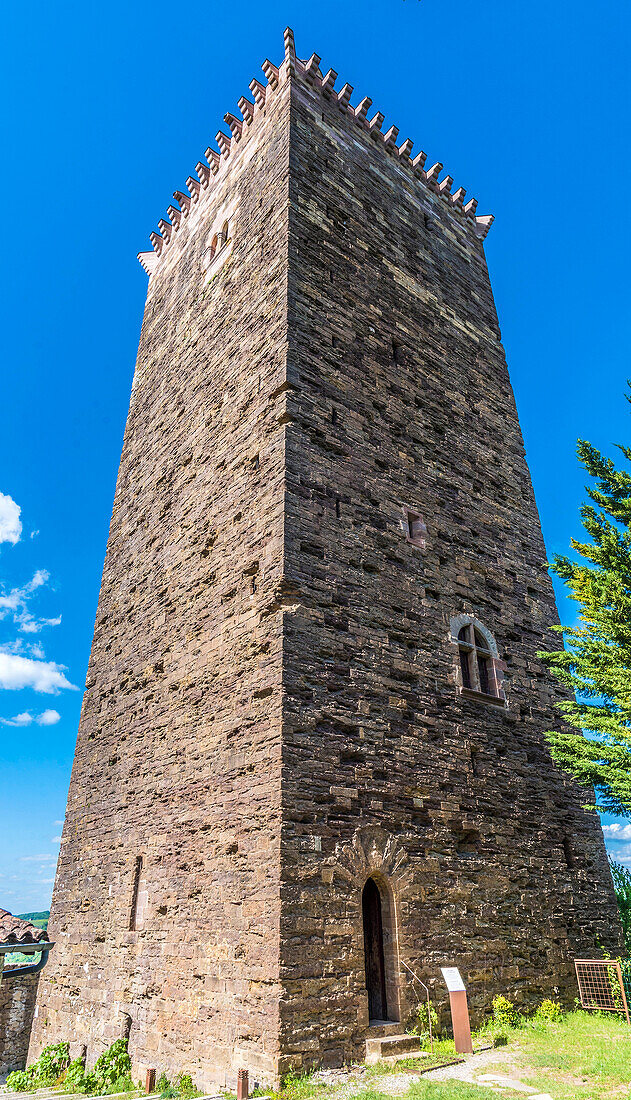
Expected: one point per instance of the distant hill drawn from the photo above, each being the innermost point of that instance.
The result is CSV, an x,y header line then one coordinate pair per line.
x,y
40,920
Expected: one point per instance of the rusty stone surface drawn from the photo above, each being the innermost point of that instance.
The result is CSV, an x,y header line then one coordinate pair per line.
x,y
272,709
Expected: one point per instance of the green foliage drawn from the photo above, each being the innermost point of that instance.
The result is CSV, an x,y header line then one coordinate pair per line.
x,y
111,1074
165,1088
420,1023
74,1077
622,884
549,1011
299,1086
40,920
113,1067
185,1088
596,661
19,1081
44,1072
504,1013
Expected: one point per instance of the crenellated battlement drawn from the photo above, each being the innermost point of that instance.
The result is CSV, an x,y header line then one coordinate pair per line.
x,y
309,72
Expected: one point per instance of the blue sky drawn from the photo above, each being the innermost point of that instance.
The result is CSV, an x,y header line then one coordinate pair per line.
x,y
108,110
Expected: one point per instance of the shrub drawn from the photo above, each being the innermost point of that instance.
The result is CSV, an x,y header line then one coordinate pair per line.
x,y
19,1081
163,1083
549,1011
504,1012
44,1072
420,1025
111,1067
74,1077
185,1088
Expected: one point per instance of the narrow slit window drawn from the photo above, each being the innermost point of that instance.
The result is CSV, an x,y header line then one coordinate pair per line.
x,y
568,853
138,897
397,352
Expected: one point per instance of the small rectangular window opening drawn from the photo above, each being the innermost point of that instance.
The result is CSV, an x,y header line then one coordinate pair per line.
x,y
334,415
397,352
134,918
415,528
338,507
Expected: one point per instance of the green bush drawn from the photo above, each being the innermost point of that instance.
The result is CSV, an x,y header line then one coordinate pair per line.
x,y
549,1011
111,1074
504,1012
19,1081
185,1088
74,1077
420,1024
44,1072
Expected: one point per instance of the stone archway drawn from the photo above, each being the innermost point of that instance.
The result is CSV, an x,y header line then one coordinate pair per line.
x,y
374,856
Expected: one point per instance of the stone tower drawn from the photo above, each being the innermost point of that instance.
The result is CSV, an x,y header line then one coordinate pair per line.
x,y
311,749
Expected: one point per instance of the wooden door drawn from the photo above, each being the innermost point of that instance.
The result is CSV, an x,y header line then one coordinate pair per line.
x,y
373,952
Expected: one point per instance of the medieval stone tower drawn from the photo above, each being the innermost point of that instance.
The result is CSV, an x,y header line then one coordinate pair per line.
x,y
311,749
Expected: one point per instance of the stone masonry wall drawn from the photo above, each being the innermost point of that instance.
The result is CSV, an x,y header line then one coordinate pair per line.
x,y
178,751
399,397
17,1004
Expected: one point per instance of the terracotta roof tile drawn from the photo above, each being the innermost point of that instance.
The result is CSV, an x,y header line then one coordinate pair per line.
x,y
15,930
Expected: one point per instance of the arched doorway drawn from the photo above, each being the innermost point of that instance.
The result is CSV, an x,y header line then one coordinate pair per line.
x,y
373,952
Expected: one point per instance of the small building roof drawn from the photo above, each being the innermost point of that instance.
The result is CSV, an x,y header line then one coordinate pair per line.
x,y
15,930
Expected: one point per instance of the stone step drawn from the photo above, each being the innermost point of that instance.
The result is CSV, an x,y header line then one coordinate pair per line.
x,y
391,1046
380,1028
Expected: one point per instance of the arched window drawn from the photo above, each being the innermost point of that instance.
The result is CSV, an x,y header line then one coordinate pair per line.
x,y
481,671
225,233
213,247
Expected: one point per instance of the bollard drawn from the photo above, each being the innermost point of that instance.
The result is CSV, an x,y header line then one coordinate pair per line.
x,y
150,1081
243,1085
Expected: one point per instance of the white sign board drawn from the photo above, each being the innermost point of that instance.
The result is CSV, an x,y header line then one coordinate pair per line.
x,y
453,981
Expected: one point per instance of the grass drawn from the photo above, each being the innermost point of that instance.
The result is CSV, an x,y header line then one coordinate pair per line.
x,y
586,1056
434,1090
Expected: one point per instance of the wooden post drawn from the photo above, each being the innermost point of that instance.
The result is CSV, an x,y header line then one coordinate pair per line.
x,y
243,1085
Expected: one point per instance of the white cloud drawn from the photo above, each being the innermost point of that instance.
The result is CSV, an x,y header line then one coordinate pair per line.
x,y
618,832
23,719
19,672
55,840
58,822
34,534
47,857
48,718
15,603
10,525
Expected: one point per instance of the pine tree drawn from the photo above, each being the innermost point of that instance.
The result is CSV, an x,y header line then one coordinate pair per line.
x,y
622,884
596,663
